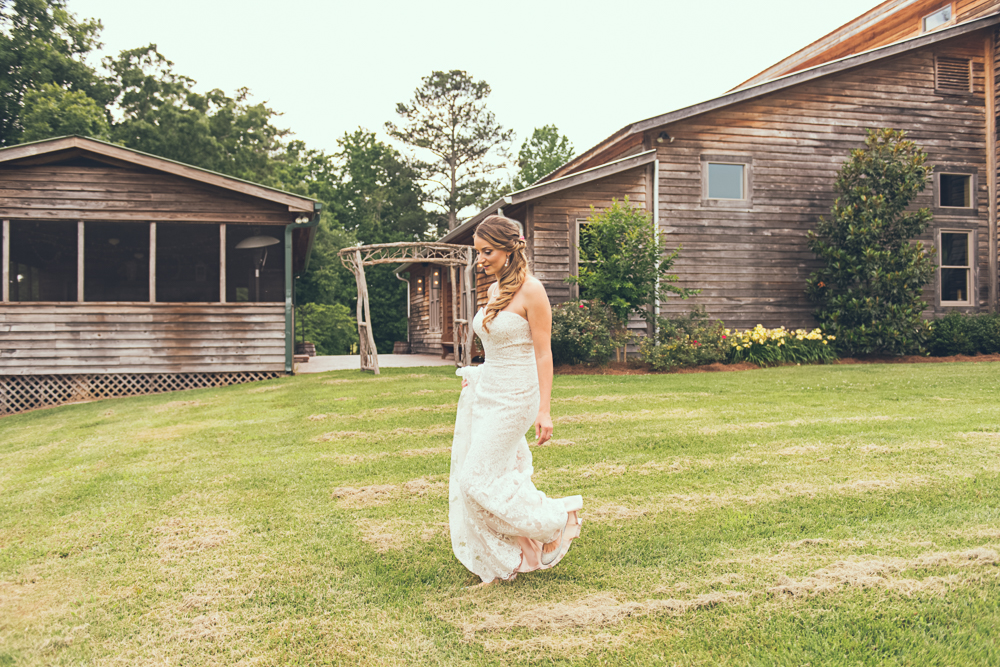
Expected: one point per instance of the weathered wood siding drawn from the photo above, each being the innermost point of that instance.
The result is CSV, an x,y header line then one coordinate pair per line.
x,y
65,338
422,339
102,192
552,225
751,264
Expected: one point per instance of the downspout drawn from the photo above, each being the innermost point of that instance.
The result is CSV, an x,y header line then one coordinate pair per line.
x,y
289,282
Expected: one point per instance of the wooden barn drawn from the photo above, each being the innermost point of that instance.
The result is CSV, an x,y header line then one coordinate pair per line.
x,y
738,181
125,273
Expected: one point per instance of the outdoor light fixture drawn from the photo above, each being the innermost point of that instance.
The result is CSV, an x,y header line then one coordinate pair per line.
x,y
436,280
258,243
664,138
302,219
420,286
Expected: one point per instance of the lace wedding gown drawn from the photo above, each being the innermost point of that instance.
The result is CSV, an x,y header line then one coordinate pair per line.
x,y
498,519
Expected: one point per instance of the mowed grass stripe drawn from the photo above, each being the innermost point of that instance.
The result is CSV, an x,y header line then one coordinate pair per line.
x,y
832,515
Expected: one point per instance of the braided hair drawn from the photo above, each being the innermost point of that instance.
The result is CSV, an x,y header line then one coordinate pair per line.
x,y
503,234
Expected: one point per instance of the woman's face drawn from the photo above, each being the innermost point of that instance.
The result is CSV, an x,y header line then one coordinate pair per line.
x,y
490,258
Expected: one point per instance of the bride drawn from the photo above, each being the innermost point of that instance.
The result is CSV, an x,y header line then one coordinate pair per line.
x,y
500,523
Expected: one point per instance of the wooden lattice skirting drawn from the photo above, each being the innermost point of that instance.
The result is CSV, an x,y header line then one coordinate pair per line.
x,y
27,392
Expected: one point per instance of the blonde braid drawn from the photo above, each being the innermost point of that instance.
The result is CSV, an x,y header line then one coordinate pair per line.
x,y
503,234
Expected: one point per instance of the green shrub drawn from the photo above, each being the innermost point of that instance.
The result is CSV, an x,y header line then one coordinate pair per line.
x,y
868,292
585,332
330,327
681,342
958,333
768,347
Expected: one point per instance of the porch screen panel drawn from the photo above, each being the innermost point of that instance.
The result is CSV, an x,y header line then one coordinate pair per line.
x,y
187,263
42,261
116,261
242,265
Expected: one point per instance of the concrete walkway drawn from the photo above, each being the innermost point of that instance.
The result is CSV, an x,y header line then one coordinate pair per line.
x,y
347,362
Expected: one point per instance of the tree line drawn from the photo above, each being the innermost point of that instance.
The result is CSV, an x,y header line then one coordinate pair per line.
x,y
454,156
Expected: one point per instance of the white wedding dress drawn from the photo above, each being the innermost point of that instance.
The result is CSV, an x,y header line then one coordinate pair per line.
x,y
498,519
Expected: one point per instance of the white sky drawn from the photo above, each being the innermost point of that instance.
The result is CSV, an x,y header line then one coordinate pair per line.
x,y
589,68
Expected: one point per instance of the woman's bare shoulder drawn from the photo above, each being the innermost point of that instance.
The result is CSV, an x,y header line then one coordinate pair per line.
x,y
533,288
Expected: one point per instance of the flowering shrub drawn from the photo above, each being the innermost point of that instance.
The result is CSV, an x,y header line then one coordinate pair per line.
x,y
766,347
680,342
585,332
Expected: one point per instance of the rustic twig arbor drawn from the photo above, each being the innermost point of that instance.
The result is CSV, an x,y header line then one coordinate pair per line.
x,y
453,256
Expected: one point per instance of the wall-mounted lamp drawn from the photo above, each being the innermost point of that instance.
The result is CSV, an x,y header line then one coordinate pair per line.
x,y
302,219
436,279
420,285
664,138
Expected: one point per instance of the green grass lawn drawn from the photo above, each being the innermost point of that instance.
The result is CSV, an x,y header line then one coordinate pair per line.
x,y
830,515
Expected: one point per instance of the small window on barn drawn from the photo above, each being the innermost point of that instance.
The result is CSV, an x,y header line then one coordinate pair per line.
x,y
43,258
956,268
955,191
187,263
726,180
255,263
952,75
116,261
937,19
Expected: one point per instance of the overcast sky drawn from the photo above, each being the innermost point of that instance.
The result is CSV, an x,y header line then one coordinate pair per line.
x,y
332,66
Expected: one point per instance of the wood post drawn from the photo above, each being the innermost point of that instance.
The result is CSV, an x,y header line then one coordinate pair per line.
x,y
366,340
6,260
79,261
222,263
454,316
991,166
152,262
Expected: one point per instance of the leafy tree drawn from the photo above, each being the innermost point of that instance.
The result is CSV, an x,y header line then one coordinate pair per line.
x,y
448,118
330,327
43,43
51,111
540,155
868,291
622,259
161,114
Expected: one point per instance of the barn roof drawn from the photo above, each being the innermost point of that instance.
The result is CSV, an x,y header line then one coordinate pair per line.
x,y
775,85
62,148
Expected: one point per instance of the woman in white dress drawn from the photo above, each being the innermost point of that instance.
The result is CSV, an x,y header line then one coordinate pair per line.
x,y
500,523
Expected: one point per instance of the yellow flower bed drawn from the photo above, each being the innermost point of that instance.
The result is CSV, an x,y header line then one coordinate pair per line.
x,y
772,346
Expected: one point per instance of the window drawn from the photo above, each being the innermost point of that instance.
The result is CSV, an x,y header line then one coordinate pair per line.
x,y
955,191
937,19
579,241
255,272
726,181
187,263
435,301
115,261
43,261
952,75
956,267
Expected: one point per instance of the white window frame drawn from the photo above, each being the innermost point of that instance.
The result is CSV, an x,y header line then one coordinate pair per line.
x,y
578,223
973,208
950,21
743,160
972,278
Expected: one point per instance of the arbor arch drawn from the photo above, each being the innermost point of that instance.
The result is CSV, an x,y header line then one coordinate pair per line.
x,y
455,257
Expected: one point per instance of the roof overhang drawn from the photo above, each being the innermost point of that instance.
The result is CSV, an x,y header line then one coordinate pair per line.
x,y
51,150
787,81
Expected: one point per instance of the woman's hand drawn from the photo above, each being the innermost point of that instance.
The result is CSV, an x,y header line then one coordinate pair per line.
x,y
543,427
465,383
